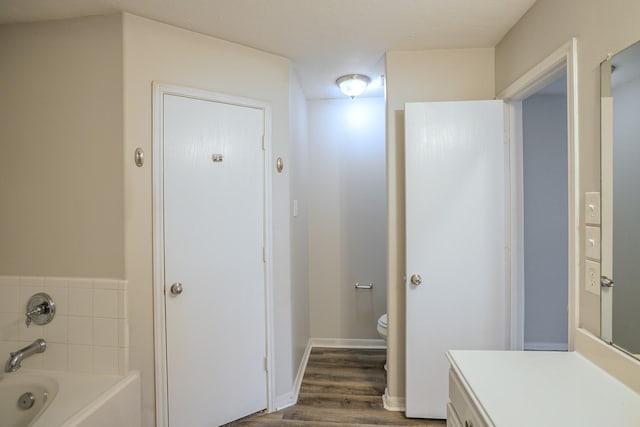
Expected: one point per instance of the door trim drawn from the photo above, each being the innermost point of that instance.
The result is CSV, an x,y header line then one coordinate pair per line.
x,y
564,58
160,345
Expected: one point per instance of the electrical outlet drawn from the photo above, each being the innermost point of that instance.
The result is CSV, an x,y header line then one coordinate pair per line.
x,y
592,208
592,277
592,242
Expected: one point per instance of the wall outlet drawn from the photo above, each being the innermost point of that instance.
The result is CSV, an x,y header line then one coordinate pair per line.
x,y
592,242
592,277
592,208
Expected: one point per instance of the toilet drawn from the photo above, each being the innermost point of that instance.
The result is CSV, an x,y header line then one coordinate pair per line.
x,y
382,326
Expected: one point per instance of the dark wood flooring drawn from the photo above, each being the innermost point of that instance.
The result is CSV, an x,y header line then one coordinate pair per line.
x,y
340,387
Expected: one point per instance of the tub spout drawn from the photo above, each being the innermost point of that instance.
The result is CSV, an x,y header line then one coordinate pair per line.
x,y
13,364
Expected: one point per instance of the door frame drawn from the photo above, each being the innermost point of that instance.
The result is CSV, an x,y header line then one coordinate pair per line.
x,y
563,59
160,342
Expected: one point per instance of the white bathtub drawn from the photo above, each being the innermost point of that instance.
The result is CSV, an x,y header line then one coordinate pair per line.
x,y
65,399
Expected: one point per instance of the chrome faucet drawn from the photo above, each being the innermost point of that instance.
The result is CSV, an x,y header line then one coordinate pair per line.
x,y
13,364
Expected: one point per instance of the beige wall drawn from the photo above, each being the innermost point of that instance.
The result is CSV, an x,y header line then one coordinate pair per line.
x,y
600,26
347,216
299,165
61,174
434,75
159,52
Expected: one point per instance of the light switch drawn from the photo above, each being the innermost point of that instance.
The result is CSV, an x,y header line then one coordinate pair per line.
x,y
592,242
592,208
592,277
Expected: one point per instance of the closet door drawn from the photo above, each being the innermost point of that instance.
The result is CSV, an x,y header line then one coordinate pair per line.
x,y
456,294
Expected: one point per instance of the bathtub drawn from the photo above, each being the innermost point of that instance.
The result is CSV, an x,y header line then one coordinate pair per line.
x,y
65,399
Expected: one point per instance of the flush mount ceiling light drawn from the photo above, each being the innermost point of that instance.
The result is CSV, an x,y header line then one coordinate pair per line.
x,y
353,84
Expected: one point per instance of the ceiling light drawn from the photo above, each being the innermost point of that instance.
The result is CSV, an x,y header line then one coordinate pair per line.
x,y
353,84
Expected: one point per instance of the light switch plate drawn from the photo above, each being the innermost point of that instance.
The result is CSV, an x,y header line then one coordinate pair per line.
x,y
592,277
592,242
592,208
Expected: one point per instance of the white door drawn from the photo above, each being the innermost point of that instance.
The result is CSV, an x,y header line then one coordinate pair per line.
x,y
214,234
455,242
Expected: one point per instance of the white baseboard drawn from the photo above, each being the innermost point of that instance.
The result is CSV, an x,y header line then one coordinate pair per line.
x,y
348,343
546,346
289,399
392,403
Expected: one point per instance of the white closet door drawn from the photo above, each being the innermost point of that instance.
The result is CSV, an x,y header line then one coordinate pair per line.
x,y
214,234
455,242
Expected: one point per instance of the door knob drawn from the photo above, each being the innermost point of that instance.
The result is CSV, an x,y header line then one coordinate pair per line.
x,y
416,279
176,288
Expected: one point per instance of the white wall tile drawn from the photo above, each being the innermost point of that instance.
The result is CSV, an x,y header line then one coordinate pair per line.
x,y
57,330
32,282
80,302
9,327
31,333
123,361
55,357
106,284
8,299
80,330
89,332
56,282
105,332
105,303
9,281
80,283
105,360
80,358
123,333
122,304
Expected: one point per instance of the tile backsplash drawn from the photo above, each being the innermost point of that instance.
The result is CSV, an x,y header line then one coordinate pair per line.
x,y
90,331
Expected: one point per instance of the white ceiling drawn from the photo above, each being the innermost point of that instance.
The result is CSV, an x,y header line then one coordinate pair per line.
x,y
323,38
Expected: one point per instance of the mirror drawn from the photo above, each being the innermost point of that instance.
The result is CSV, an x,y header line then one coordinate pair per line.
x,y
620,233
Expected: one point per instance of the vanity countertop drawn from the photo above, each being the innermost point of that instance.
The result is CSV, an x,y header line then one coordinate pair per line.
x,y
534,388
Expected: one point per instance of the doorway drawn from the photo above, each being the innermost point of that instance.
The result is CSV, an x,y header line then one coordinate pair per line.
x,y
560,65
211,246
545,217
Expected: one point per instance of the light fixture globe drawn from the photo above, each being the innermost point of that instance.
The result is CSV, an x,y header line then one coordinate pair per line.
x,y
353,84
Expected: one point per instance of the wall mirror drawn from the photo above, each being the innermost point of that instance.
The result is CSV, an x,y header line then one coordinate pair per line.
x,y
620,197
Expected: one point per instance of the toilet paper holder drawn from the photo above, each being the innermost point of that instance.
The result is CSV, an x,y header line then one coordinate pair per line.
x,y
364,285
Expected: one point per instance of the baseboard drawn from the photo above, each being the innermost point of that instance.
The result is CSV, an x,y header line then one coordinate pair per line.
x,y
392,403
546,346
348,343
289,399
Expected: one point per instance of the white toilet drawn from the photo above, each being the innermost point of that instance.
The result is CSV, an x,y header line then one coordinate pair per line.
x,y
382,326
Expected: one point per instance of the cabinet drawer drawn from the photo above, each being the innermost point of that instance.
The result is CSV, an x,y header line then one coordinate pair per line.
x,y
462,405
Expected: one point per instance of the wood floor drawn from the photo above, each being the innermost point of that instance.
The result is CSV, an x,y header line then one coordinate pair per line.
x,y
340,387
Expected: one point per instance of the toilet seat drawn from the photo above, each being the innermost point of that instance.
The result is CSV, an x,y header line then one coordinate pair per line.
x,y
382,325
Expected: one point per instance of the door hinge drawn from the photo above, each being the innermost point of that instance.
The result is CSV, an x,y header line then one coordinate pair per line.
x,y
264,254
265,364
263,145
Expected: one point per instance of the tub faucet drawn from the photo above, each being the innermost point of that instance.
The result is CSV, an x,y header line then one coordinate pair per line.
x,y
13,364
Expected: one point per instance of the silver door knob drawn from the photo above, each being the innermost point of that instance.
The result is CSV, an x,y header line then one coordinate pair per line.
x,y
176,288
606,282
416,279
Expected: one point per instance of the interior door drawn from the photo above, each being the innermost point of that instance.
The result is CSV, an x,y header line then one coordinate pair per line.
x,y
214,269
456,296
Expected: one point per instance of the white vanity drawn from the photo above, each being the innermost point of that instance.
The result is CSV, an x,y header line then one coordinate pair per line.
x,y
515,388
